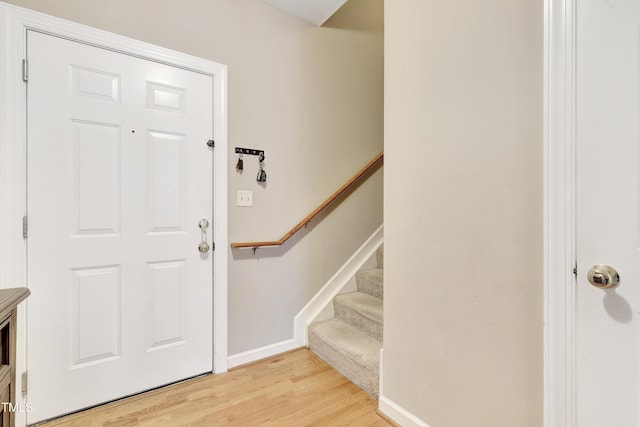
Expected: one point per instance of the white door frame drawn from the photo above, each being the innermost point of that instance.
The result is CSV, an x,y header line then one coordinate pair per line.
x,y
559,211
14,23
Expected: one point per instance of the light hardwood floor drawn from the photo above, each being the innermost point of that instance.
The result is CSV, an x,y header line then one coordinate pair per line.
x,y
294,389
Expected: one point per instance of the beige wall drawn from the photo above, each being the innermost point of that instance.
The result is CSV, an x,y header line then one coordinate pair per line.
x,y
463,211
312,98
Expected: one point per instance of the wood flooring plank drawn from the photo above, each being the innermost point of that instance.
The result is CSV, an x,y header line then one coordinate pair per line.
x,y
294,389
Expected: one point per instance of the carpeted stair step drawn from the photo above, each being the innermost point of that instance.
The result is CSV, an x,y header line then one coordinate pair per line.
x,y
351,352
370,281
380,257
360,310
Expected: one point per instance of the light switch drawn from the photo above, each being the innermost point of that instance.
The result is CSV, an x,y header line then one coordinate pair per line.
x,y
245,198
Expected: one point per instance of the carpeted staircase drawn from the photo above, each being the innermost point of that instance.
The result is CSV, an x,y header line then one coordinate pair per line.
x,y
351,341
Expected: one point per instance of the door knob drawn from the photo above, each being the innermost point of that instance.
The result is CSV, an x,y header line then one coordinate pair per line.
x,y
603,276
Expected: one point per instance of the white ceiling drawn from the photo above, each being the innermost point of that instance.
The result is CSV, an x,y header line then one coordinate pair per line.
x,y
313,11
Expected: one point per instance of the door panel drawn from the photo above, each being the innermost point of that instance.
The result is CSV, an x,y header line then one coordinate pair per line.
x,y
96,178
167,180
608,165
95,332
119,175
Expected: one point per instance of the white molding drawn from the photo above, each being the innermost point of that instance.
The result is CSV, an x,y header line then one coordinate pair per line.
x,y
398,414
262,353
325,295
220,231
14,23
12,130
559,212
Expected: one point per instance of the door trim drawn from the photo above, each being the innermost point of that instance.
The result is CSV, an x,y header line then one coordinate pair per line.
x,y
559,211
14,23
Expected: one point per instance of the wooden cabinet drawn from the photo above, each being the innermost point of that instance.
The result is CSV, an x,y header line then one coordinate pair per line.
x,y
9,300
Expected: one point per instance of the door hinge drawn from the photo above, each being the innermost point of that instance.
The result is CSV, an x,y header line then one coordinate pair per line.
x,y
211,143
575,271
25,70
25,381
25,227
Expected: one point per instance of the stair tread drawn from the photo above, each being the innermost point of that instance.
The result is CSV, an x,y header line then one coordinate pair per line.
x,y
348,340
363,303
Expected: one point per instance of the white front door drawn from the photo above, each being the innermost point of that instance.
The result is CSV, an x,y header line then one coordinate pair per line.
x,y
119,177
607,321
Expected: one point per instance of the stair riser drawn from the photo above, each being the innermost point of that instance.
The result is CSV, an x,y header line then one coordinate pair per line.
x,y
370,282
352,317
365,378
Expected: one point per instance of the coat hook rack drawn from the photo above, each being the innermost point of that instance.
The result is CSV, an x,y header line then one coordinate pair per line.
x,y
250,152
262,175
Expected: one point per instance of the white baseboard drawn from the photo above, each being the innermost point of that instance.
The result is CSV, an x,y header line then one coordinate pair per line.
x,y
261,353
326,294
398,414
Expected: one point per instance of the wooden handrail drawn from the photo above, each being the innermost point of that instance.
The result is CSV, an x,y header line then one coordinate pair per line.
x,y
316,211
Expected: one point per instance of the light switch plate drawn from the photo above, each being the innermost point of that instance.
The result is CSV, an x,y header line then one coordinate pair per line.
x,y
245,198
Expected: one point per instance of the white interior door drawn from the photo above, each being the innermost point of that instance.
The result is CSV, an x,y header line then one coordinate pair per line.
x,y
607,323
119,176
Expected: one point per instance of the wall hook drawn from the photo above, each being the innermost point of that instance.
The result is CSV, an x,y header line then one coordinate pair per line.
x,y
250,152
